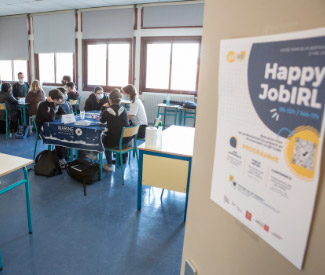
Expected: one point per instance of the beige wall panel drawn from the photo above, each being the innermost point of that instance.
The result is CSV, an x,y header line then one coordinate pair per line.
x,y
215,241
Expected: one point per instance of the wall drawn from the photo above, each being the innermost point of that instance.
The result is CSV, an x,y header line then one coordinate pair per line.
x,y
215,241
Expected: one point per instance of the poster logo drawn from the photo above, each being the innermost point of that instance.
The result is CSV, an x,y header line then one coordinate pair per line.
x,y
78,132
248,215
232,56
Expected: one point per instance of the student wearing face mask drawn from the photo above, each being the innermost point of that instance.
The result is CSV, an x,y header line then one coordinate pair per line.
x,y
20,89
65,105
96,100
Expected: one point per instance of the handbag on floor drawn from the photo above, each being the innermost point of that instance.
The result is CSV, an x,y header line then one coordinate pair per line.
x,y
47,164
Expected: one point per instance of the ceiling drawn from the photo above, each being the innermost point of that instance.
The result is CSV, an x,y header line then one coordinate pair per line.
x,y
13,7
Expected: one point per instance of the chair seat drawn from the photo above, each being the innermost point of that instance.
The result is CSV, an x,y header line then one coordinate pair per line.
x,y
118,151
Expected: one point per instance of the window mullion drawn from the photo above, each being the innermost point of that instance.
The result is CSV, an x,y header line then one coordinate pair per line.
x,y
107,52
170,66
55,80
12,70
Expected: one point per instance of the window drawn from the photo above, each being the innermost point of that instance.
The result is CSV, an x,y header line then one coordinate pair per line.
x,y
9,70
170,64
107,63
53,66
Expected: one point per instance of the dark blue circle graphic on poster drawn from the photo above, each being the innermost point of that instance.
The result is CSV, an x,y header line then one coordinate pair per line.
x,y
286,83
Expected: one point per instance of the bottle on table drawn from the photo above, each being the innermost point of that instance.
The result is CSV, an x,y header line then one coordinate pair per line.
x,y
167,100
159,135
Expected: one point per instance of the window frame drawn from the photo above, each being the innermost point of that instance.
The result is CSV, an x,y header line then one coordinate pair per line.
x,y
37,70
13,74
166,39
86,42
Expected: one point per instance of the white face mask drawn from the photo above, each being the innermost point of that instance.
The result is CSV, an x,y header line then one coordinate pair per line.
x,y
100,96
124,97
65,97
21,80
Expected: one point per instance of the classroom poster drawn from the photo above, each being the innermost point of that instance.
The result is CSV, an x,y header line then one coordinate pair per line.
x,y
270,135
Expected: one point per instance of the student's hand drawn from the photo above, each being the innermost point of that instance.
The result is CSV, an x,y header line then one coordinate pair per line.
x,y
106,105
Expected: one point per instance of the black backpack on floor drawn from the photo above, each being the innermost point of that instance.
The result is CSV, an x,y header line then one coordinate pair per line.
x,y
83,171
47,164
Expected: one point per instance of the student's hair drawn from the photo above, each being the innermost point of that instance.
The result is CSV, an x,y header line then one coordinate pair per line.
x,y
70,85
115,96
62,90
6,87
130,90
98,88
55,94
19,74
35,87
66,78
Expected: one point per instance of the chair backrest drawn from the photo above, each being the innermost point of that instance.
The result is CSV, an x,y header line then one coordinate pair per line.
x,y
73,101
2,106
157,120
130,131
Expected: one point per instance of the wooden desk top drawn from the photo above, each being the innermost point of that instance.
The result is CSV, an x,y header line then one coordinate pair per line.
x,y
176,140
123,101
10,163
168,106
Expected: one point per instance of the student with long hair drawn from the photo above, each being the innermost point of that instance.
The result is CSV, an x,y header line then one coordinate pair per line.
x,y
34,97
137,114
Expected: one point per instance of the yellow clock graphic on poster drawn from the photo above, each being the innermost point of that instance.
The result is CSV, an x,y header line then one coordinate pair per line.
x,y
301,152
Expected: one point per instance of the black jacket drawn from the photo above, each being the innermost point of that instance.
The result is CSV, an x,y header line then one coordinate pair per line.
x,y
46,112
92,104
116,118
16,92
11,103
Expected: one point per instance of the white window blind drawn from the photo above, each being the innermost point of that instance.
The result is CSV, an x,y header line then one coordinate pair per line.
x,y
173,16
54,33
14,38
103,24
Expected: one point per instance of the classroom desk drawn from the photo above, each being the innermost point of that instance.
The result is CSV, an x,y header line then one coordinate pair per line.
x,y
10,164
169,110
168,167
23,107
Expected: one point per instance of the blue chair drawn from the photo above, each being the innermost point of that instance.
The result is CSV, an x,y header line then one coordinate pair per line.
x,y
127,132
4,108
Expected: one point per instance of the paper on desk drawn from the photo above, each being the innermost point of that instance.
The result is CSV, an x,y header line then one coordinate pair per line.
x,y
83,122
69,118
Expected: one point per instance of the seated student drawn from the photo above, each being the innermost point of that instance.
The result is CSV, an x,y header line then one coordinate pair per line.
x,y
7,97
65,105
116,118
66,79
20,88
96,100
46,112
72,93
137,114
34,97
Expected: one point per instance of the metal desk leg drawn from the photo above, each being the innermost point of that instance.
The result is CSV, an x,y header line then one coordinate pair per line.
x,y
0,262
165,118
187,188
29,215
175,117
100,165
140,178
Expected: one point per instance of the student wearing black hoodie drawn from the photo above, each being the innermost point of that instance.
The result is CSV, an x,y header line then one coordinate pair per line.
x,y
46,112
96,100
116,118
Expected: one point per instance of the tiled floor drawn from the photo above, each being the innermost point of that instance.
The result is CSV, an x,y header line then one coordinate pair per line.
x,y
102,233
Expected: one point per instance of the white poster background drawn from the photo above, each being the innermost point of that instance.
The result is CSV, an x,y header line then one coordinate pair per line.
x,y
265,195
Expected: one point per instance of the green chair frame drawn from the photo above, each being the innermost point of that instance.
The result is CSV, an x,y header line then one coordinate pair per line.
x,y
130,132
4,108
156,122
75,106
37,139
